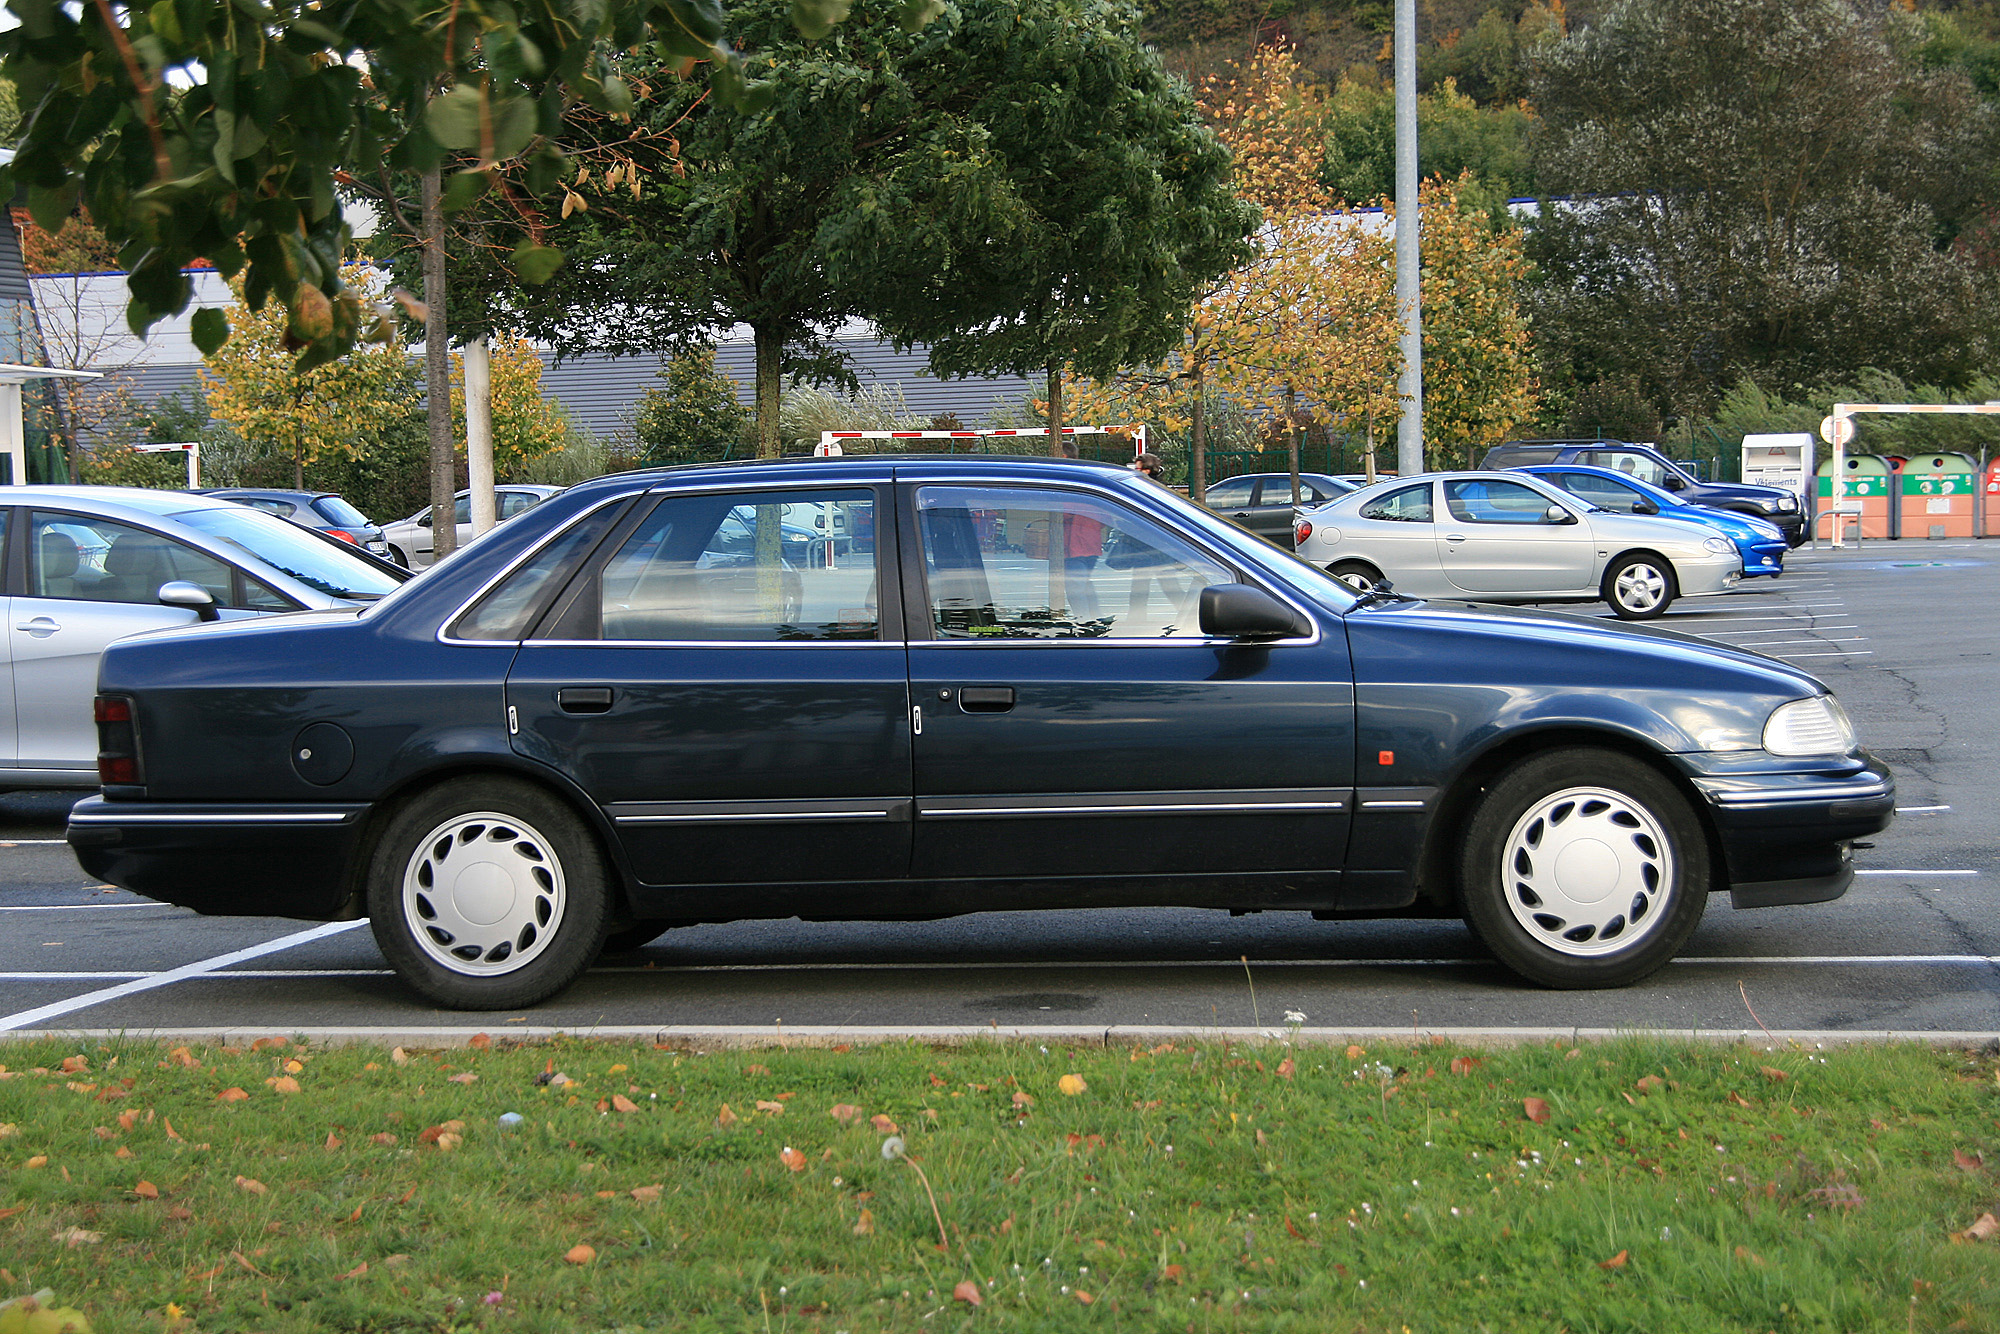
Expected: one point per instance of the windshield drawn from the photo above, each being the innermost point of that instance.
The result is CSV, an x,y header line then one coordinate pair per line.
x,y
311,560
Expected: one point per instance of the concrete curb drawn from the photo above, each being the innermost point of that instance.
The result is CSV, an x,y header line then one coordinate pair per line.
x,y
730,1037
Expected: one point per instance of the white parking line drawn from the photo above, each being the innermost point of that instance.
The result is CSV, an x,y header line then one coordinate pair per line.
x,y
33,842
1734,619
1843,653
1908,810
1916,873
58,1008
1774,643
73,907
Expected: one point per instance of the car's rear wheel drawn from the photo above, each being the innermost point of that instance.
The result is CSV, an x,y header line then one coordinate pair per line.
x,y
488,893
400,556
1584,868
1357,574
1640,586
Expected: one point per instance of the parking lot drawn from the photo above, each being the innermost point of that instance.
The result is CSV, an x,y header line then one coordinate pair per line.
x,y
1901,631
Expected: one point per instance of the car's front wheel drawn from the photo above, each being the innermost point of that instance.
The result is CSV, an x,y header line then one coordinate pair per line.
x,y
1356,574
1640,586
488,893
1584,868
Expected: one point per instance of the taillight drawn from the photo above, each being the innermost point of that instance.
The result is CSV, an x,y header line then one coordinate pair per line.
x,y
1301,531
344,536
117,740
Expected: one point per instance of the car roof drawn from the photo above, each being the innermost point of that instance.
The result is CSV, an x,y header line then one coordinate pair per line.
x,y
284,493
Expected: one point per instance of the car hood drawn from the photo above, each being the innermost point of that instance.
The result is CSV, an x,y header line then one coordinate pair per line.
x,y
1679,692
1647,529
1713,491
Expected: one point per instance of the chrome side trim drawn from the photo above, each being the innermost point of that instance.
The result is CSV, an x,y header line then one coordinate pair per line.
x,y
758,812
1248,802
1393,805
267,818
1741,800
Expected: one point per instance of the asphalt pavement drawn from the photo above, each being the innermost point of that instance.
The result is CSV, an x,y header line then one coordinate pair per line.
x,y
1903,632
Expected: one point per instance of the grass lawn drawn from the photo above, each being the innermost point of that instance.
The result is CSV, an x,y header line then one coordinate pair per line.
x,y
1634,1185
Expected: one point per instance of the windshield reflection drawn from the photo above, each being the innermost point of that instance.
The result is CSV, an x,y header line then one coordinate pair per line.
x,y
284,547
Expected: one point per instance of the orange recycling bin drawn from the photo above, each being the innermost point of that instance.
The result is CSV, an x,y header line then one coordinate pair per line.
x,y
1990,514
1865,483
1936,494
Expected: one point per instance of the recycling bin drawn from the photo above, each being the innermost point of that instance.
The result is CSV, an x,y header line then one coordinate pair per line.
x,y
1866,483
1990,500
1935,495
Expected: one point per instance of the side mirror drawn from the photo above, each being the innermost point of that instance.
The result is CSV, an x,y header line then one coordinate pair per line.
x,y
424,522
1238,611
1644,507
181,593
1673,482
1557,514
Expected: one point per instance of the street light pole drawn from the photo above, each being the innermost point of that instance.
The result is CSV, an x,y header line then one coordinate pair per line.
x,y
1409,300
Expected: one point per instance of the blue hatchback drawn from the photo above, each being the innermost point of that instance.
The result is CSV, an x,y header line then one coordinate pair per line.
x,y
1761,544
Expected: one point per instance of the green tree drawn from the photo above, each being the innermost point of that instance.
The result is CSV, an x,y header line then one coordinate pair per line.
x,y
692,415
1760,188
1455,139
1015,181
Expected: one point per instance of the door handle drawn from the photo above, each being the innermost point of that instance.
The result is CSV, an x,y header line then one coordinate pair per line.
x,y
1454,537
986,699
584,699
41,627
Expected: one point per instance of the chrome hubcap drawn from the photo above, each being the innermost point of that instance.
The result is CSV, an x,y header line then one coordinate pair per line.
x,y
1640,587
483,894
1588,871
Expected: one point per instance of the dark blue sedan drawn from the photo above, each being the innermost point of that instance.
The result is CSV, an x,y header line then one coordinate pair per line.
x,y
1044,684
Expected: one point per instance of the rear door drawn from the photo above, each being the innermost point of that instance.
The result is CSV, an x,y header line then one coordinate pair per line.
x,y
1074,723
741,717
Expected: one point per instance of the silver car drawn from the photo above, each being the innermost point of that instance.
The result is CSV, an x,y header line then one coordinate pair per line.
x,y
1511,537
89,564
410,540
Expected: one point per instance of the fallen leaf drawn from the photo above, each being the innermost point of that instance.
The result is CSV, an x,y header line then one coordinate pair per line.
x,y
1615,1262
1773,1073
182,1056
968,1291
1983,1229
208,1273
1536,1109
449,1141
1083,1297
127,1119
171,1132
1286,1067
774,1108
295,1067
479,1042
124,1152
385,1138
1741,1101
1650,1084
1970,1162
1172,1273
468,1077
1748,1256
146,1190
1006,1225
865,1225
399,1056
73,1237
646,1194
1024,1099
1462,1065
354,1217
1355,1053
252,1185
231,1095
844,1112
756,1069
883,1125
792,1158
39,1160
12,1210
580,1254
262,1043
75,1064
180,1213
1072,1084
357,1271
332,1141
725,1118
283,1083
607,1194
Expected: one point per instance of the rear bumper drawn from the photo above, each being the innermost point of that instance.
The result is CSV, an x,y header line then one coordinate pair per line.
x,y
1786,836
261,860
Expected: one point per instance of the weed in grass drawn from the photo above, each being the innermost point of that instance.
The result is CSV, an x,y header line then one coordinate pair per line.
x,y
1666,1187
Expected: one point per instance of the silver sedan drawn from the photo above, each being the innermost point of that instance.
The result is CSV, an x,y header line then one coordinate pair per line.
x,y
90,564
1510,537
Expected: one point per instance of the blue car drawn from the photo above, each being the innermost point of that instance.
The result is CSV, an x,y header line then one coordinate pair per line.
x,y
1046,684
1762,545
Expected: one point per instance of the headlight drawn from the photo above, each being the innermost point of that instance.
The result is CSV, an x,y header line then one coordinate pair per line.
x,y
1816,726
1720,546
1788,502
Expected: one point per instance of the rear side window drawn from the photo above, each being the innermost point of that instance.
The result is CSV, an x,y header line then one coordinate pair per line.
x,y
510,606
1409,504
1235,491
1519,456
335,509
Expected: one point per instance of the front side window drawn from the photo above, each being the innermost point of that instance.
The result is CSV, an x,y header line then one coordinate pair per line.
x,y
1631,464
1235,491
1483,501
1025,563
729,566
78,557
1409,504
1603,492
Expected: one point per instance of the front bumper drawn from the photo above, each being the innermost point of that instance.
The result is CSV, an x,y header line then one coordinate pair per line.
x,y
1786,836
1765,558
233,860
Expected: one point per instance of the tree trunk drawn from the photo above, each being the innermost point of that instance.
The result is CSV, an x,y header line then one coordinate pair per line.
x,y
479,433
1292,437
437,374
1055,410
1197,441
770,348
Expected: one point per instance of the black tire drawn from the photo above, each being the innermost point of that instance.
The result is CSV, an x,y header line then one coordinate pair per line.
x,y
1357,574
530,894
400,556
1584,868
634,935
1640,586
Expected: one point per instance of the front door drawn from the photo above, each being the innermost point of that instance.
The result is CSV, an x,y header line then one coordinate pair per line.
x,y
1498,538
730,694
1075,723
